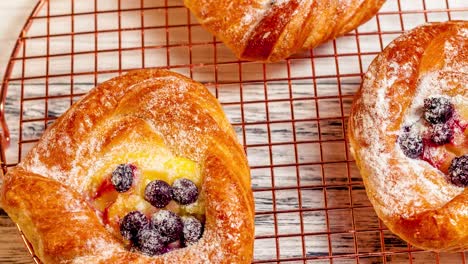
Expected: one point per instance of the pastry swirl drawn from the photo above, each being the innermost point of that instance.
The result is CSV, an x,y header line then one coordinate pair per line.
x,y
271,30
167,126
408,133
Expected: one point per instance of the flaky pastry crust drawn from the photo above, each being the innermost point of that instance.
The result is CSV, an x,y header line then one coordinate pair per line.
x,y
156,112
413,198
271,30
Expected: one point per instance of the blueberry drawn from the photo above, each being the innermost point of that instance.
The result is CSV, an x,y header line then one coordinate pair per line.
x,y
184,191
458,171
132,223
192,231
411,144
122,177
158,193
168,224
441,134
150,242
437,110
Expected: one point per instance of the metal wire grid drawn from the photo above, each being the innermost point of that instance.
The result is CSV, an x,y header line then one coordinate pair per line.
x,y
290,116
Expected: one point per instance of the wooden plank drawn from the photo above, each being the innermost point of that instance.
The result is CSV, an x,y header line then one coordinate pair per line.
x,y
12,248
344,226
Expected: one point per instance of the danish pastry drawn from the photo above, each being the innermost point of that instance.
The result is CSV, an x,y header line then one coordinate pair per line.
x,y
271,30
144,169
408,133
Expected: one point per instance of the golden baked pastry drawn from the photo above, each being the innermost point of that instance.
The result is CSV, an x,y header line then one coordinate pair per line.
x,y
408,133
271,30
144,169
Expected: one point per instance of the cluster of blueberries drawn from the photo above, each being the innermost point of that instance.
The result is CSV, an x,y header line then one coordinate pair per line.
x,y
165,230
437,112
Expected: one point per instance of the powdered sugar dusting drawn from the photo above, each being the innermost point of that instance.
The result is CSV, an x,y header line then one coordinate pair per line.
x,y
145,118
287,25
106,250
390,172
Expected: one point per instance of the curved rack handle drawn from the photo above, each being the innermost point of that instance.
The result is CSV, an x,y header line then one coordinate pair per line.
x,y
5,134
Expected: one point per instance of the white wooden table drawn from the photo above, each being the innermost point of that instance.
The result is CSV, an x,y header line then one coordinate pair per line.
x,y
336,215
13,14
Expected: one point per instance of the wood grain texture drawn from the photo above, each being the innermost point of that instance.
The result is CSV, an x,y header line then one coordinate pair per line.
x,y
13,249
284,113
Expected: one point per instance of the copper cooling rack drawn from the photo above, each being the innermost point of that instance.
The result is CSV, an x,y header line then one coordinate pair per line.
x,y
291,116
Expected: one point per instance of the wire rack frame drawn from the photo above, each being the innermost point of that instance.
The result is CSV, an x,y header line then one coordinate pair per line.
x,y
290,116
